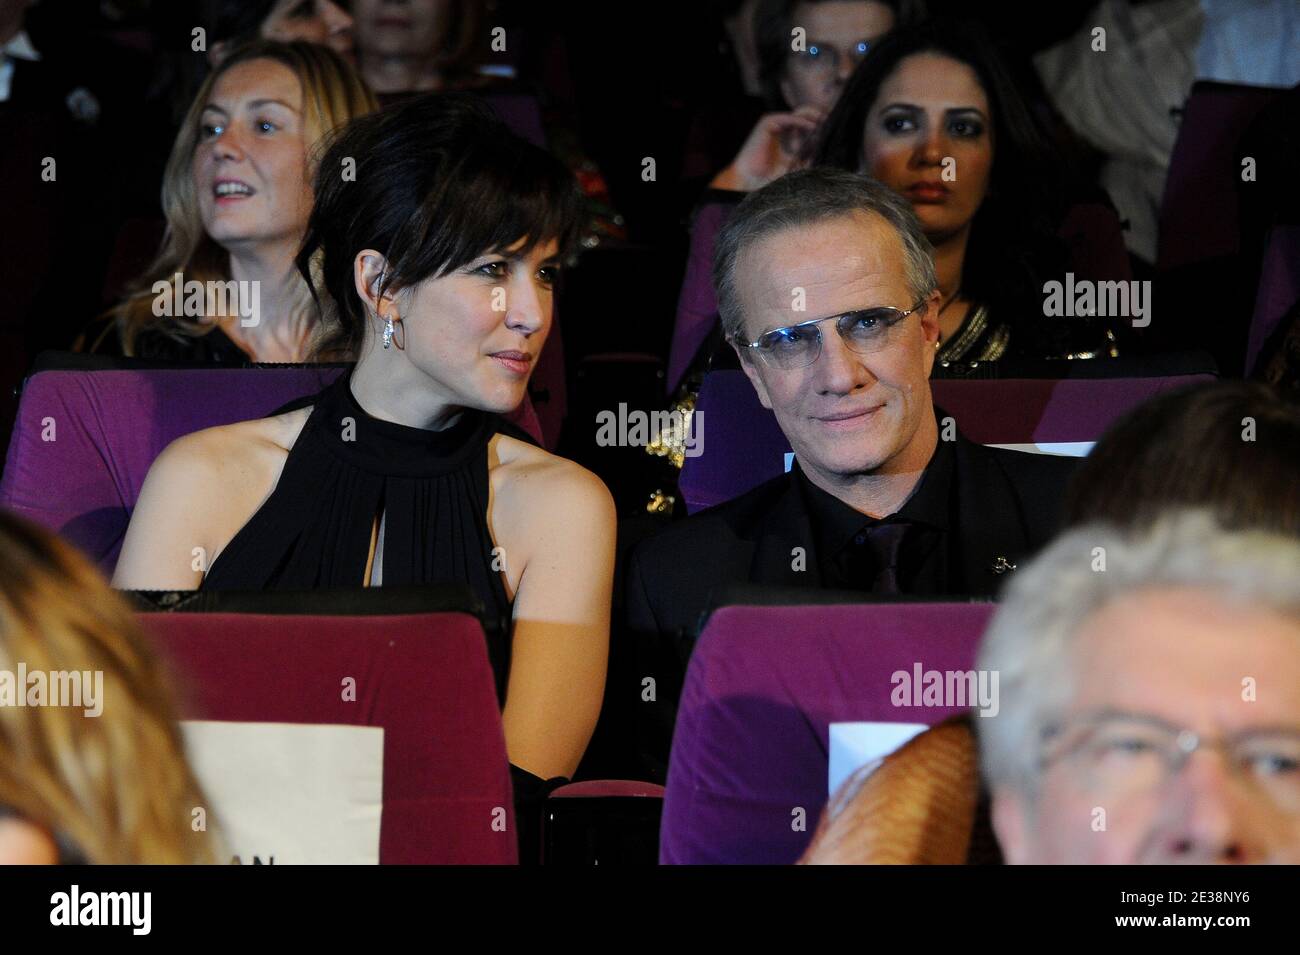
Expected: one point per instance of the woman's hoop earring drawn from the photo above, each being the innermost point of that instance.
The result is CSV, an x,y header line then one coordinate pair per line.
x,y
390,334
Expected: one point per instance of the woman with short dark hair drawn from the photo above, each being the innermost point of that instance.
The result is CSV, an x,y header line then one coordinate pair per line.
x,y
435,238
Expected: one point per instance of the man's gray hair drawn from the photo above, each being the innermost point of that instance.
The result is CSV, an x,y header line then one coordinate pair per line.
x,y
1029,639
804,198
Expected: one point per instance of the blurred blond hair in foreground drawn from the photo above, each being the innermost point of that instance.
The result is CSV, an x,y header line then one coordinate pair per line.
x,y
112,788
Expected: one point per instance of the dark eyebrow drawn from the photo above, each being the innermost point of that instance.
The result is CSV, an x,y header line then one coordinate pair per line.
x,y
950,111
518,256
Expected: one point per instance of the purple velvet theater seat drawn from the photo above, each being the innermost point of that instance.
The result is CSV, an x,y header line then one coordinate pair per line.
x,y
764,684
84,440
423,678
1095,237
1279,287
1199,209
697,306
522,113
743,446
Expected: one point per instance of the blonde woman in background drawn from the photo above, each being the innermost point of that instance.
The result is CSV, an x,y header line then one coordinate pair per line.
x,y
112,788
236,196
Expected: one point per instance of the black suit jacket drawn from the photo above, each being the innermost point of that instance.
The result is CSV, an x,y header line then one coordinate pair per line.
x,y
1006,505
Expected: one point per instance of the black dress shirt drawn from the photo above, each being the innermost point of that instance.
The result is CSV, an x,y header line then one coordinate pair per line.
x,y
845,555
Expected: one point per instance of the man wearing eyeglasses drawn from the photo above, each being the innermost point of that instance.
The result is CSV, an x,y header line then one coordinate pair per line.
x,y
827,292
1150,704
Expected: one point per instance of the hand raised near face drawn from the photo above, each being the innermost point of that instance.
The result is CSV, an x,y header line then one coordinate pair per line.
x,y
778,143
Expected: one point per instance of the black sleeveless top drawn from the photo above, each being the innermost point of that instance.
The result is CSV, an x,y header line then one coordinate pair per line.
x,y
314,531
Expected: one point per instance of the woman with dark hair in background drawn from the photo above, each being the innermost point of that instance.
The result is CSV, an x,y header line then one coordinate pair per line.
x,y
439,262
1230,446
933,113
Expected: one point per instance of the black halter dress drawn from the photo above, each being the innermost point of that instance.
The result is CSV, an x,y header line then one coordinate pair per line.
x,y
345,469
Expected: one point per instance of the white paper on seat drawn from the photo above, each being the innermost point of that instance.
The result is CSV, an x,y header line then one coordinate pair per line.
x,y
1069,449
291,793
854,745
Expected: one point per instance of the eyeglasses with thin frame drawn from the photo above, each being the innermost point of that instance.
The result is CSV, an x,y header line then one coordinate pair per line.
x,y
1123,754
864,331
820,56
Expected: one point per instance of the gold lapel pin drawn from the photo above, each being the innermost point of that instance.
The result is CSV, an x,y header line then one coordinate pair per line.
x,y
1001,566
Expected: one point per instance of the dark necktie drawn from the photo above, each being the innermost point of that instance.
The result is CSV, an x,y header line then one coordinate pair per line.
x,y
884,541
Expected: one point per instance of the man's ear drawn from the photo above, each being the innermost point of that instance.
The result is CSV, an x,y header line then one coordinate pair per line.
x,y
367,268
748,362
1011,823
930,329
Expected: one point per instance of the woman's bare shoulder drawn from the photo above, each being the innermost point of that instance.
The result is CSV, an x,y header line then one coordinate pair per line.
x,y
533,484
243,452
198,493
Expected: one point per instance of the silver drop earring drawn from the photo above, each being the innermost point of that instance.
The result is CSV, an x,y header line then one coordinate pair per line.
x,y
388,323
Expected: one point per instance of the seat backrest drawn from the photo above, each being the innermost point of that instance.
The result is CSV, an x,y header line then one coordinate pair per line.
x,y
748,774
1198,212
522,113
1279,287
742,446
547,400
697,306
84,440
422,679
1095,238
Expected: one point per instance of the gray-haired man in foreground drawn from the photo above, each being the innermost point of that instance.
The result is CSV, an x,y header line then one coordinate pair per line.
x,y
1150,699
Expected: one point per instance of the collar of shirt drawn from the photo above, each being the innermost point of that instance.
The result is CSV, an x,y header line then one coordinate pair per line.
x,y
836,524
19,47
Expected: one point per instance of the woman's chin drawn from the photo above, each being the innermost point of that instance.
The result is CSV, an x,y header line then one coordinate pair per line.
x,y
500,401
938,224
